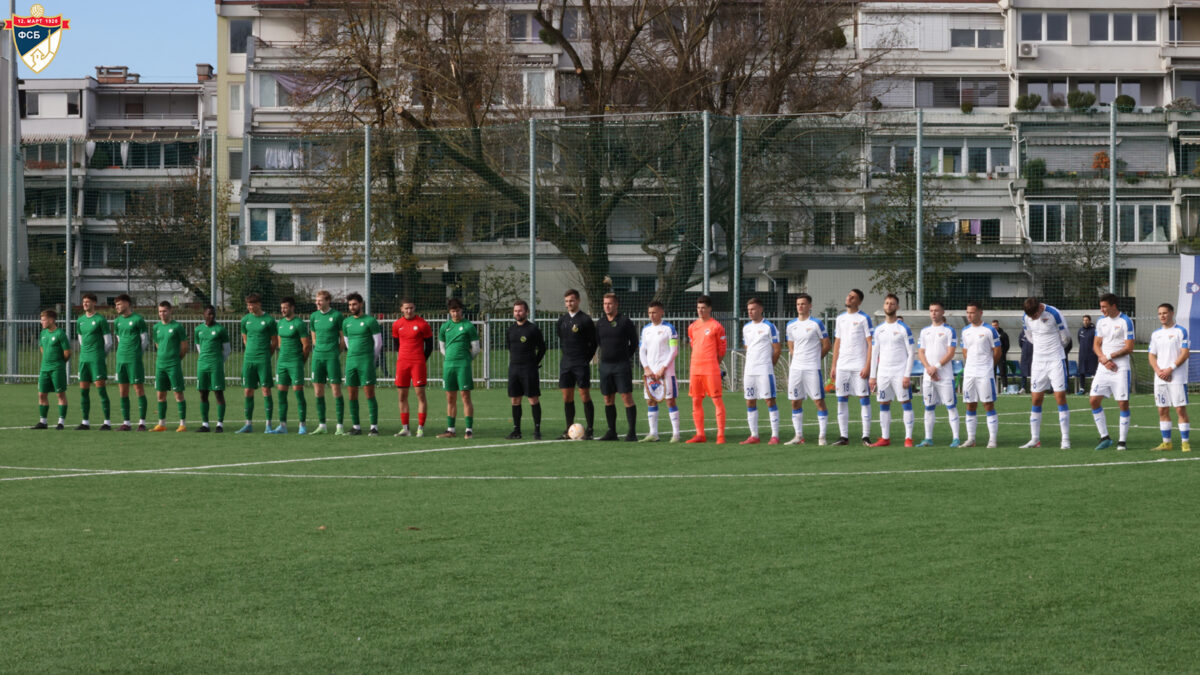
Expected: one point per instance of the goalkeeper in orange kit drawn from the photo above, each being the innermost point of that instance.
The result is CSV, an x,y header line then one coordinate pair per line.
x,y
707,338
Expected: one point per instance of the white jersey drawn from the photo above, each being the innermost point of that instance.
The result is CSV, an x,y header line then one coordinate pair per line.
x,y
893,351
979,341
853,330
759,339
806,336
937,341
1048,334
1166,345
1113,333
659,347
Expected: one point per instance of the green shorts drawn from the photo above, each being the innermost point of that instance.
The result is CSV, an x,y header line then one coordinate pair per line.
x,y
456,376
131,372
210,377
93,371
52,380
257,374
360,371
168,378
327,368
289,374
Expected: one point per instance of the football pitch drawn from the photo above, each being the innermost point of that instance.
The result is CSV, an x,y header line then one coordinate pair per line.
x,y
206,553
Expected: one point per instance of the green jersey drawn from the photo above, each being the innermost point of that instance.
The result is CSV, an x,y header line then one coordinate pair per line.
x,y
360,332
291,332
211,341
325,327
168,337
91,331
54,343
258,331
130,330
457,336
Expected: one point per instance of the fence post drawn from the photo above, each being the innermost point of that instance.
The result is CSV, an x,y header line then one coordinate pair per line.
x,y
1112,198
737,228
487,353
532,218
212,217
67,250
366,219
919,290
707,184
11,143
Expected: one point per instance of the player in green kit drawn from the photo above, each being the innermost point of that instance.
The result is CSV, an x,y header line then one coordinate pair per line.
x,y
364,343
294,348
133,337
260,340
95,342
459,341
170,340
325,326
212,341
56,351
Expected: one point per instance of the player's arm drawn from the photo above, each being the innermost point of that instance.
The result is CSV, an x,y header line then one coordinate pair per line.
x,y
870,352
837,347
873,364
427,345
67,351
997,348
826,345
226,349
1064,333
475,349
925,362
1152,356
539,346
592,343
378,344
644,357
910,352
949,355
306,347
274,343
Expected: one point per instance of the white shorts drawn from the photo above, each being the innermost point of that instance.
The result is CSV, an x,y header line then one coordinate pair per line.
x,y
758,386
941,391
890,388
850,384
1114,384
1170,394
1048,376
664,389
979,389
806,384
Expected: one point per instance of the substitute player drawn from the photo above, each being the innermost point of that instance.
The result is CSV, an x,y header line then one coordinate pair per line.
x,y
133,338
414,344
458,340
364,344
761,340
212,341
577,344
658,349
1169,352
852,366
170,341
325,327
56,351
891,371
1046,331
936,345
981,350
260,340
617,338
808,343
295,344
526,347
1112,345
706,336
95,342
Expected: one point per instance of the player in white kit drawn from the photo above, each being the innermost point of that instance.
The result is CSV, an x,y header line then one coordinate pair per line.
x,y
1169,353
981,352
891,371
1114,377
852,366
1047,331
761,340
808,342
935,348
657,350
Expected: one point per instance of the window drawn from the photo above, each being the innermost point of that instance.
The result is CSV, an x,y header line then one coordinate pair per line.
x,y
952,92
278,154
980,39
31,104
45,202
235,230
279,225
1098,27
522,27
573,25
535,89
145,155
45,156
235,98
1122,27
271,94
1136,223
258,224
72,104
240,31
176,155
283,225
307,225
1053,92
235,164
1043,27
104,203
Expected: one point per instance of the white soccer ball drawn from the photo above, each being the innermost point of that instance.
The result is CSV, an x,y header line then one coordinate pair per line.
x,y
575,431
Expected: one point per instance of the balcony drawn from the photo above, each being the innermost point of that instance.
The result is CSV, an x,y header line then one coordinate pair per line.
x,y
148,120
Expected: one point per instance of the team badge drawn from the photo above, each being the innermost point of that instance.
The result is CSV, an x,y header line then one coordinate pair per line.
x,y
574,328
37,36
522,338
614,323
414,328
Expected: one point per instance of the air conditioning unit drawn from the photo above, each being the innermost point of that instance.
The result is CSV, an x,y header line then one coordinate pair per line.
x,y
1027,50
1002,169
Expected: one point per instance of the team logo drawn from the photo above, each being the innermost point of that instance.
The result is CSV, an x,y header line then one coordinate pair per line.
x,y
707,331
614,323
575,328
37,36
522,338
414,328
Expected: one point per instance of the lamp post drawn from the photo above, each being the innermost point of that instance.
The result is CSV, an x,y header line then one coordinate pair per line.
x,y
127,245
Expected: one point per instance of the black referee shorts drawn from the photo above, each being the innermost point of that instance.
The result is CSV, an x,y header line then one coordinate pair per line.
x,y
523,381
616,378
572,376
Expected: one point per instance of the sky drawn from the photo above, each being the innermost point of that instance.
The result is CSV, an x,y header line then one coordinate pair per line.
x,y
162,40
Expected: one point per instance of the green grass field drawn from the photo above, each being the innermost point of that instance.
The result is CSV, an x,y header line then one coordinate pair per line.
x,y
206,553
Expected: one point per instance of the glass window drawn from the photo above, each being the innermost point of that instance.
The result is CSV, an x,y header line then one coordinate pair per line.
x,y
1126,214
1162,223
1146,222
929,158
1041,89
992,93
518,27
1147,28
1174,28
843,224
235,164
881,158
1090,222
1133,89
962,37
235,98
258,224
1056,27
239,32
266,91
1108,92
1037,222
1031,27
283,224
31,104
1098,27
823,228
1122,27
1071,222
990,38
144,155
308,225
1000,157
235,230
952,160
1053,223
72,104
977,161
535,89
904,158
571,24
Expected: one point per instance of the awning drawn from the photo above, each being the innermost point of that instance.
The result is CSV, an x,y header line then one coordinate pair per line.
x,y
145,135
1189,140
1069,140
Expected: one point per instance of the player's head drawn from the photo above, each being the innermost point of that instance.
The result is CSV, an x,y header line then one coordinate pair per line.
x,y
571,300
354,302
1108,305
754,308
408,308
324,298
164,311
123,303
656,311
520,311
1087,320
891,305
455,306
254,303
975,314
854,299
803,304
1166,313
48,317
937,312
1032,306
996,323
611,304
210,314
287,306
704,307
89,302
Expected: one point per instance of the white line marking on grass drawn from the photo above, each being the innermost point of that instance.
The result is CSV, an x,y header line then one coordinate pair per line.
x,y
49,468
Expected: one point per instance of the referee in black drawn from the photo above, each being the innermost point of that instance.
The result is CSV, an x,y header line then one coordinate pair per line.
x,y
618,339
577,341
526,347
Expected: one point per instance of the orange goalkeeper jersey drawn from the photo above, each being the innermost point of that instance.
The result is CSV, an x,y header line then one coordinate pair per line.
x,y
708,347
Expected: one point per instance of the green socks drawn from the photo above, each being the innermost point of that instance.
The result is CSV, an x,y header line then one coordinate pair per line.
x,y
248,407
220,413
204,411
470,422
85,404
124,408
321,409
341,409
269,406
105,405
449,423
162,410
182,405
62,412
301,406
353,411
373,411
142,407
43,410
283,407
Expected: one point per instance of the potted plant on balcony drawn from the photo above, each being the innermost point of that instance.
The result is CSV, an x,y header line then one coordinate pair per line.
x,y
1028,102
1080,101
1125,103
1034,172
967,107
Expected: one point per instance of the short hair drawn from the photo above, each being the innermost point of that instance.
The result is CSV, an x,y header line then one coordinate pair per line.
x,y
938,303
124,297
755,301
89,296
805,296
892,296
860,294
570,292
1031,305
704,300
521,303
613,297
165,304
50,313
354,296
454,303
287,300
208,307
656,303
995,320
975,304
1110,298
254,298
407,301
324,294
1087,316
1169,306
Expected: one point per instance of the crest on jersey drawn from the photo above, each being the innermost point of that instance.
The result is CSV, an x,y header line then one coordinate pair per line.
x,y
575,328
522,338
37,36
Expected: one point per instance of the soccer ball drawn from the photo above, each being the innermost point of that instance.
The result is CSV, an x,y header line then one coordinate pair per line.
x,y
575,431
